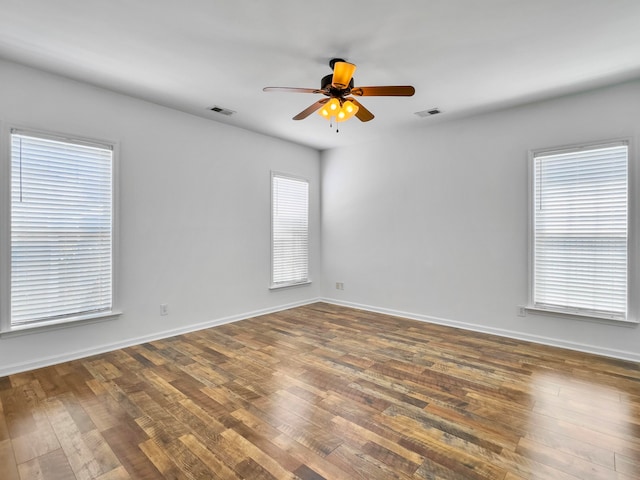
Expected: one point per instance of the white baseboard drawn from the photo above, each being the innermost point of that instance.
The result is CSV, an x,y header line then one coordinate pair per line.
x,y
75,355
594,349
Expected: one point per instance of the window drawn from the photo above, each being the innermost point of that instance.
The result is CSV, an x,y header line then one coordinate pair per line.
x,y
289,231
580,230
61,230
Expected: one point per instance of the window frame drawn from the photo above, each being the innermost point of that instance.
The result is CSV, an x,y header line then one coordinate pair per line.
x,y
6,327
273,285
632,235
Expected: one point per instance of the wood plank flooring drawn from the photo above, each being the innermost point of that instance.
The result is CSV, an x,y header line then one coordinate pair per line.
x,y
325,392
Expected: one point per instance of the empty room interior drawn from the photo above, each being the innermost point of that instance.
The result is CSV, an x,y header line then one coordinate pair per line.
x,y
349,240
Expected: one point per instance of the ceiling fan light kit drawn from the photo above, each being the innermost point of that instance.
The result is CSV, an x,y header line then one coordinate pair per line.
x,y
341,110
338,87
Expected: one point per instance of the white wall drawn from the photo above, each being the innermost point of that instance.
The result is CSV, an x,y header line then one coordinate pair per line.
x,y
433,223
194,214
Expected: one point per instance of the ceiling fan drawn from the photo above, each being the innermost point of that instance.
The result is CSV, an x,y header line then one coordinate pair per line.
x,y
338,87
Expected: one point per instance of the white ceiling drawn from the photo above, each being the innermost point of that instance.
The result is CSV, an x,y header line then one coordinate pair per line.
x,y
463,56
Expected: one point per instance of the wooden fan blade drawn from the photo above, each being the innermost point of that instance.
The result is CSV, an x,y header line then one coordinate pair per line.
x,y
387,91
291,90
363,114
310,109
342,74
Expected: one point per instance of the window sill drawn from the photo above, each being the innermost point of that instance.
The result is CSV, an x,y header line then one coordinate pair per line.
x,y
50,325
582,316
280,286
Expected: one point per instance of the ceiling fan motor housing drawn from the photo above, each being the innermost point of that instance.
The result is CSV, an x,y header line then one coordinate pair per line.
x,y
325,84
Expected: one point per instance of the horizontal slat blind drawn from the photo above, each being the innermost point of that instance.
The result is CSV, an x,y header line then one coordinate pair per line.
x,y
290,230
61,229
580,231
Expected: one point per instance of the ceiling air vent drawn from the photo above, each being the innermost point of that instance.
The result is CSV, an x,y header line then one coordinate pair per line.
x,y
428,113
222,111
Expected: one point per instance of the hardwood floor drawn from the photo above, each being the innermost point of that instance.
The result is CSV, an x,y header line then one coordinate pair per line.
x,y
325,392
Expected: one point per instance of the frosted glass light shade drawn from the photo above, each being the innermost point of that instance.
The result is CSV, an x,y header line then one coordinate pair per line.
x,y
342,74
348,110
330,109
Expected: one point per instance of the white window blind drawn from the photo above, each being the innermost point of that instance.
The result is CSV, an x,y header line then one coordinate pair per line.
x,y
290,230
61,229
581,231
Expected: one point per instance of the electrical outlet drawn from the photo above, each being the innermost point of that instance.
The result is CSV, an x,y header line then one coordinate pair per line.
x,y
339,286
164,309
522,311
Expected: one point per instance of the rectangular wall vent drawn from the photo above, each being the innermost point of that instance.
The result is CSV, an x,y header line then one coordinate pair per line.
x,y
222,111
428,113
